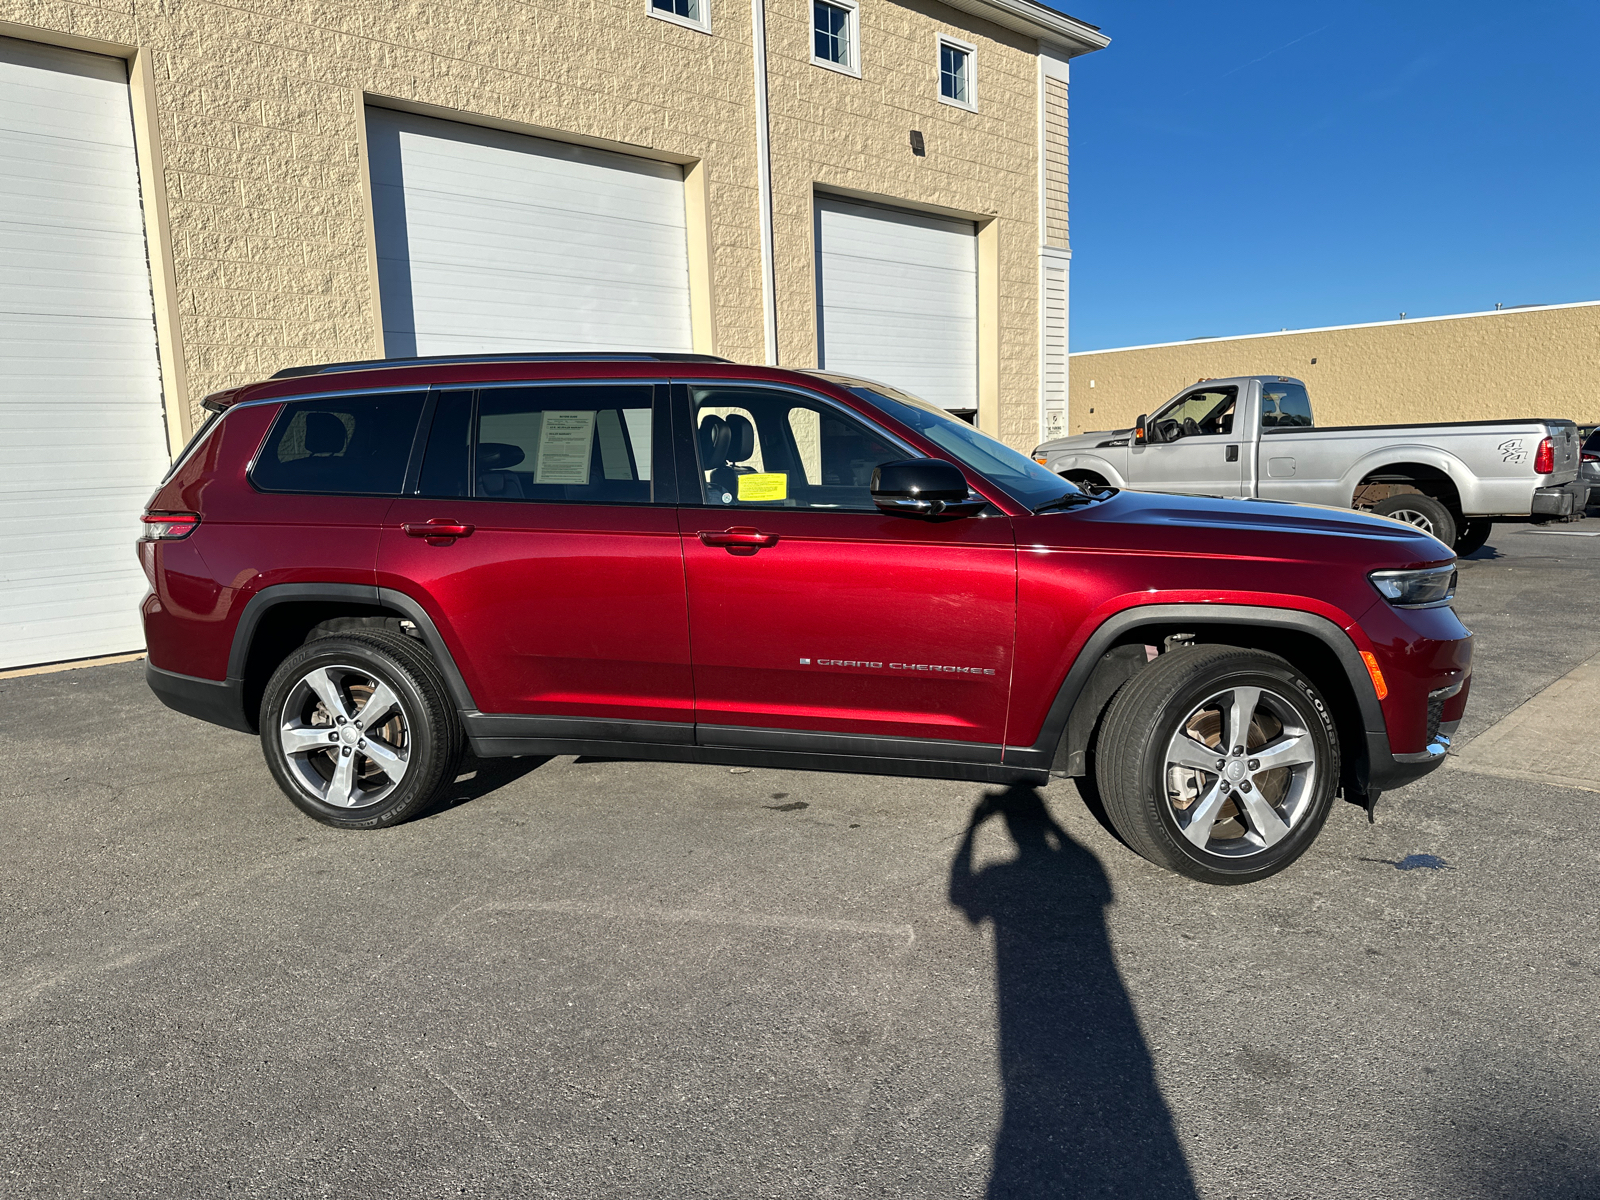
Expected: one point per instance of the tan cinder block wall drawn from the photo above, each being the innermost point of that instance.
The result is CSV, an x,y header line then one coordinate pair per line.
x,y
260,108
1541,362
260,105
833,131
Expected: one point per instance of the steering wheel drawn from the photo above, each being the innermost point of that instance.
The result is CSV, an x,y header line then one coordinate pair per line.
x,y
1191,427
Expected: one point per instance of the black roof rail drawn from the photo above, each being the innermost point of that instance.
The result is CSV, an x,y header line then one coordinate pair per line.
x,y
375,364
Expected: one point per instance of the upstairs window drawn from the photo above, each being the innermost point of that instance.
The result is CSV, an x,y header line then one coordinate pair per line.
x,y
835,34
956,82
696,14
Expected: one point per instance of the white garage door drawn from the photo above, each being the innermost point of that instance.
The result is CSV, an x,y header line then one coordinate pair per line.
x,y
82,439
497,242
897,300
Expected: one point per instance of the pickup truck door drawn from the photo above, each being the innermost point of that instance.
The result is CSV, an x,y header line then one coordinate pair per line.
x,y
1203,447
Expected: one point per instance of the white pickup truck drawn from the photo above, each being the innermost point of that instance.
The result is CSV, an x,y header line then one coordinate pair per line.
x,y
1254,436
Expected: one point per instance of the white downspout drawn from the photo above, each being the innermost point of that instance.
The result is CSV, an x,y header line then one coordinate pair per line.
x,y
769,276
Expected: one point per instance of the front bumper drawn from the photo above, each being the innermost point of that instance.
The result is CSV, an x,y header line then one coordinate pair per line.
x,y
1561,500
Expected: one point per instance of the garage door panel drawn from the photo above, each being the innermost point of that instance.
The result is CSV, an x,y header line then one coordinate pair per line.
x,y
897,299
493,241
81,401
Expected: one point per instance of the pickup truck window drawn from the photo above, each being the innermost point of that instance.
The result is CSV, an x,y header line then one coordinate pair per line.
x,y
1285,406
1206,412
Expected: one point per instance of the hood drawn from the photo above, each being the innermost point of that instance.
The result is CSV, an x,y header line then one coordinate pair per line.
x,y
1265,529
1093,440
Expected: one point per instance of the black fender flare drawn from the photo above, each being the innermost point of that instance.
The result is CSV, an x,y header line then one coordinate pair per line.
x,y
345,593
1042,753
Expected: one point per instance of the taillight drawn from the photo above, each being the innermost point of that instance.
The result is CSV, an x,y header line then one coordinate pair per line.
x,y
1544,459
169,527
1591,458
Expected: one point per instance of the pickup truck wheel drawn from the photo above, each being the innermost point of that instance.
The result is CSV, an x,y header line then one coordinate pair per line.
x,y
1426,513
358,729
1219,763
1473,534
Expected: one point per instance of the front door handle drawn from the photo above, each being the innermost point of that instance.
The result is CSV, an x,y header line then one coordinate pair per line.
x,y
1233,454
439,527
740,537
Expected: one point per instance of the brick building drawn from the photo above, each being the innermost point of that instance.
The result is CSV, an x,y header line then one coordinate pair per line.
x,y
195,195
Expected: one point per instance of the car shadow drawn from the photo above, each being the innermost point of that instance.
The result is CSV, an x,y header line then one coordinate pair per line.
x,y
1082,1114
477,777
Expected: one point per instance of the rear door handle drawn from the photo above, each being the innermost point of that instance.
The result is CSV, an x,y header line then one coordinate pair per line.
x,y
739,537
1233,454
439,527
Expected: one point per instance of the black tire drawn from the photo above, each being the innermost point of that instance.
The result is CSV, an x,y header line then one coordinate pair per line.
x,y
1087,481
1426,513
420,742
1145,792
1474,532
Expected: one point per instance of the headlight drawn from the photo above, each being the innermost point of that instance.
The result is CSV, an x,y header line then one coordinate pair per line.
x,y
1432,587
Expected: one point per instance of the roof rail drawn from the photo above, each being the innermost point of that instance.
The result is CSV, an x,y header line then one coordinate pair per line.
x,y
376,364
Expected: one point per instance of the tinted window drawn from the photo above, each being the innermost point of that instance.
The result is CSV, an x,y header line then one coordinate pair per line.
x,y
776,449
345,444
448,455
564,443
1285,406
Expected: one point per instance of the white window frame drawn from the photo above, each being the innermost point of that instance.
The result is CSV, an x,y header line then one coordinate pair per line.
x,y
970,104
853,67
701,26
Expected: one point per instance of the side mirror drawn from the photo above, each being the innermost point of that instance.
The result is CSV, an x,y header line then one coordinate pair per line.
x,y
1140,435
923,487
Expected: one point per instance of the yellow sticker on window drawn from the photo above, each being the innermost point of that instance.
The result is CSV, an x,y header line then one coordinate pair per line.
x,y
764,487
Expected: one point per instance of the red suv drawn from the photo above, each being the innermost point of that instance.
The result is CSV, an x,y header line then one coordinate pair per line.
x,y
680,558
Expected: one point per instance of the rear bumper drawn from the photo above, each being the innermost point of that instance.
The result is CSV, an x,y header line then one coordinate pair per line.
x,y
1561,500
219,701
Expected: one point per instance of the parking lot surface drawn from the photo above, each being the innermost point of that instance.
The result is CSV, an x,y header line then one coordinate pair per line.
x,y
596,978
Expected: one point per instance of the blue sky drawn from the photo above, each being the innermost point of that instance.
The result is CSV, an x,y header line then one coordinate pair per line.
x,y
1248,166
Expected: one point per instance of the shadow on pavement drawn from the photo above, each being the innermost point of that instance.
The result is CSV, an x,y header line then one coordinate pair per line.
x,y
1082,1113
480,776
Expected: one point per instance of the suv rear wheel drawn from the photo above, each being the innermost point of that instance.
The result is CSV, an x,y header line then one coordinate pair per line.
x,y
358,729
1219,763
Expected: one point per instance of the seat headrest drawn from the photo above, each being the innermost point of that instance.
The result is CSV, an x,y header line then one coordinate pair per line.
x,y
715,439
741,438
498,456
325,434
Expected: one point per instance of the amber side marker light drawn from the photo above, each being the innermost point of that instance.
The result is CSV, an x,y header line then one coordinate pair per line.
x,y
1371,659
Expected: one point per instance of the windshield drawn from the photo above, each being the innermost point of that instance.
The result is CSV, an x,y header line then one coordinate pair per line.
x,y
1022,478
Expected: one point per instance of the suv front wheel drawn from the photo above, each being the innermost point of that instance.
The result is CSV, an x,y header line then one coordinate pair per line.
x,y
358,729
1219,763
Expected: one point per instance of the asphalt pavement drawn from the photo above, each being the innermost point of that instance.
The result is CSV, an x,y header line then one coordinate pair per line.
x,y
597,978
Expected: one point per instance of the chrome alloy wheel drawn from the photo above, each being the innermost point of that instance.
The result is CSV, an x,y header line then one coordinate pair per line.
x,y
1412,517
1241,772
346,736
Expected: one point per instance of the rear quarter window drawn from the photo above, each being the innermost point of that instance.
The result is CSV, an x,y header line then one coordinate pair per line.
x,y
349,445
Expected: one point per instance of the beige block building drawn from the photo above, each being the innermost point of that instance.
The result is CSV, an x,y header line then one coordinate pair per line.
x,y
1540,361
195,195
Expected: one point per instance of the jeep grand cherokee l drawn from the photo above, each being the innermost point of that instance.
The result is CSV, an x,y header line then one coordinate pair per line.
x,y
683,559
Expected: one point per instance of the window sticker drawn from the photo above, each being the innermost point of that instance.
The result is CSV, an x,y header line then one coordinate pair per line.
x,y
565,441
764,487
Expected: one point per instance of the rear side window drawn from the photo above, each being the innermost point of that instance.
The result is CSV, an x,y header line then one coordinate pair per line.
x,y
581,444
350,445
1285,406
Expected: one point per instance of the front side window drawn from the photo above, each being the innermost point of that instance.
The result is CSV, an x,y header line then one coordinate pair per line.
x,y
683,12
1285,406
1204,413
343,445
774,449
834,35
956,84
574,444
1025,480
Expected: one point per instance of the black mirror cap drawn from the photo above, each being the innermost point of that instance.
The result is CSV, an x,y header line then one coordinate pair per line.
x,y
1140,435
925,479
